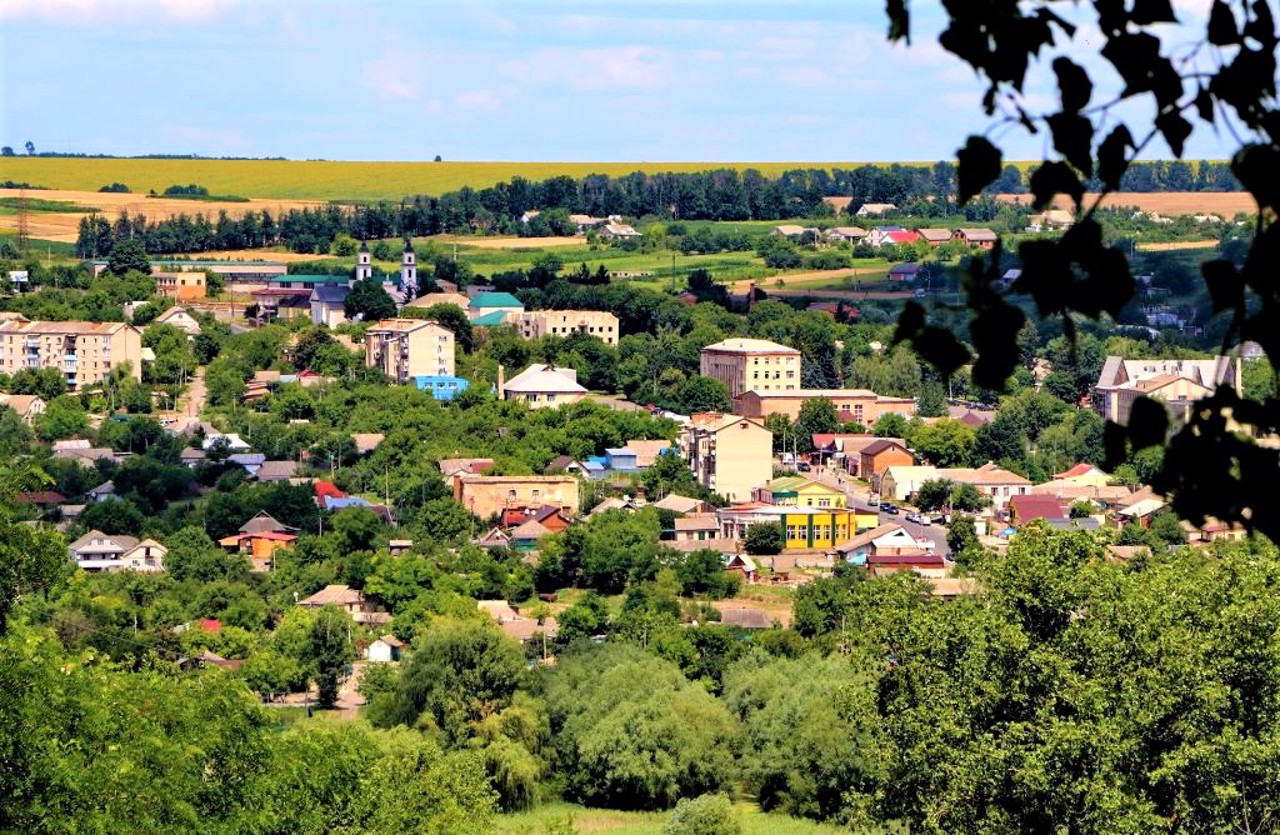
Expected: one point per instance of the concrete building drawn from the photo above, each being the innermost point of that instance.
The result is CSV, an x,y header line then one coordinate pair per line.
x,y
537,323
543,386
440,387
752,365
494,305
803,528
328,304
486,496
84,352
180,286
405,348
861,405
728,454
1179,383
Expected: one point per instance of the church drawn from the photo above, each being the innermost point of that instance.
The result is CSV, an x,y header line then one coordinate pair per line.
x,y
327,300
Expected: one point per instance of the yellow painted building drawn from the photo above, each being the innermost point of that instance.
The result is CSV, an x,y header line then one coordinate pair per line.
x,y
534,324
804,529
751,365
405,348
797,491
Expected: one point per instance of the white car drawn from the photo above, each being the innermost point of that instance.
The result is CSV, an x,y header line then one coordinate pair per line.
x,y
925,520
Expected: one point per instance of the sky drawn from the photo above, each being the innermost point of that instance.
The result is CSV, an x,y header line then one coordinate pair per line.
x,y
535,80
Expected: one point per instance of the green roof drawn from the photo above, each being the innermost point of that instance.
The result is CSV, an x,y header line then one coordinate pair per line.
x,y
792,483
490,320
495,300
311,279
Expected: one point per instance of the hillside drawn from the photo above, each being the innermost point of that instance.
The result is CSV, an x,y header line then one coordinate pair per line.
x,y
322,180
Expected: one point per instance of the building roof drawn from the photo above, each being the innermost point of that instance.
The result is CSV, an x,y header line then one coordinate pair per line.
x,y
544,379
1033,506
20,403
466,466
367,442
986,474
697,522
1079,470
264,522
745,618
678,504
530,529
277,470
492,319
391,641
865,538
404,326
118,542
935,235
739,345
1142,508
41,497
488,300
647,451
978,234
794,484
906,268
42,328
329,293
433,299
338,595
878,446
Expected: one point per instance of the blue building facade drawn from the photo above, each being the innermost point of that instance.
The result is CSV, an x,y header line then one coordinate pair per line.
x,y
440,387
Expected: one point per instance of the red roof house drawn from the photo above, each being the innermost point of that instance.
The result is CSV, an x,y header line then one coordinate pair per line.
x,y
1022,509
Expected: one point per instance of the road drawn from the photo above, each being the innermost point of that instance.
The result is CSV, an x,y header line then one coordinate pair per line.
x,y
196,394
859,493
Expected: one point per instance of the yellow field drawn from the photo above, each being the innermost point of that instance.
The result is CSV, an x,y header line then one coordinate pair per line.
x,y
1224,204
64,226
342,181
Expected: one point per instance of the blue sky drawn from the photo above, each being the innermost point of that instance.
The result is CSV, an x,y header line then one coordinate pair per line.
x,y
720,80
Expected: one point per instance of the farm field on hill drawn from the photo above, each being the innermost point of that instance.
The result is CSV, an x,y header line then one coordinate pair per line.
x,y
62,226
341,181
1225,204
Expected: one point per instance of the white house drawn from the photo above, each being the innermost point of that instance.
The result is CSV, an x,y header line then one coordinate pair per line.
x,y
385,649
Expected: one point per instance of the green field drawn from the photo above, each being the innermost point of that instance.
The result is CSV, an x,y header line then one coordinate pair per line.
x,y
321,180
545,818
724,266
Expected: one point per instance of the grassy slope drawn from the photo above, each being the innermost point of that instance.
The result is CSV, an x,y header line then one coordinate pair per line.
x,y
330,180
585,821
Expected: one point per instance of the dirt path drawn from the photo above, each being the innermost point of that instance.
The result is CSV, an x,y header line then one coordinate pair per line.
x,y
349,701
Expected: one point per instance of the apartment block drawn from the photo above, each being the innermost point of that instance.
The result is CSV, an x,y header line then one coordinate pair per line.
x,y
406,348
1178,383
536,323
752,365
728,454
84,352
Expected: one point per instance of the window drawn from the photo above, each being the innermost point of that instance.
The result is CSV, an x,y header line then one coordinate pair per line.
x,y
511,495
537,494
823,503
793,532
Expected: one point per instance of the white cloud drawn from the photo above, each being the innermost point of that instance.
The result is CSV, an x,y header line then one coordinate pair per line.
x,y
630,67
396,75
478,100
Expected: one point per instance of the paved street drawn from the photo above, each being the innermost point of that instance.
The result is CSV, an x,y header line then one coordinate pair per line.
x,y
859,493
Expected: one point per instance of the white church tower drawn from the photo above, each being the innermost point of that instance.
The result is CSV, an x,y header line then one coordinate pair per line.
x,y
409,268
364,267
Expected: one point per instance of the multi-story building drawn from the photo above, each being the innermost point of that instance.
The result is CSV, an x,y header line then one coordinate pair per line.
x,y
405,348
752,365
728,454
536,323
84,352
861,405
181,286
1179,383
485,496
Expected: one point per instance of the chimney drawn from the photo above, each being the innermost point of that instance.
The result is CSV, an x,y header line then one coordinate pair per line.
x,y
502,379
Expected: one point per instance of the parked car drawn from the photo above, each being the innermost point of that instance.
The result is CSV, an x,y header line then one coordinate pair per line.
x,y
892,510
873,502
803,467
925,520
913,517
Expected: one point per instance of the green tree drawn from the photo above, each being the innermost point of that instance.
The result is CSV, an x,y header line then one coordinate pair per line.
x,y
818,415
128,255
460,672
703,394
331,651
765,539
32,559
946,443
174,360
368,302
890,425
63,417
962,534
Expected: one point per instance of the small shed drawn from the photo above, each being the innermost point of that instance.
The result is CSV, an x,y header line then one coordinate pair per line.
x,y
385,649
